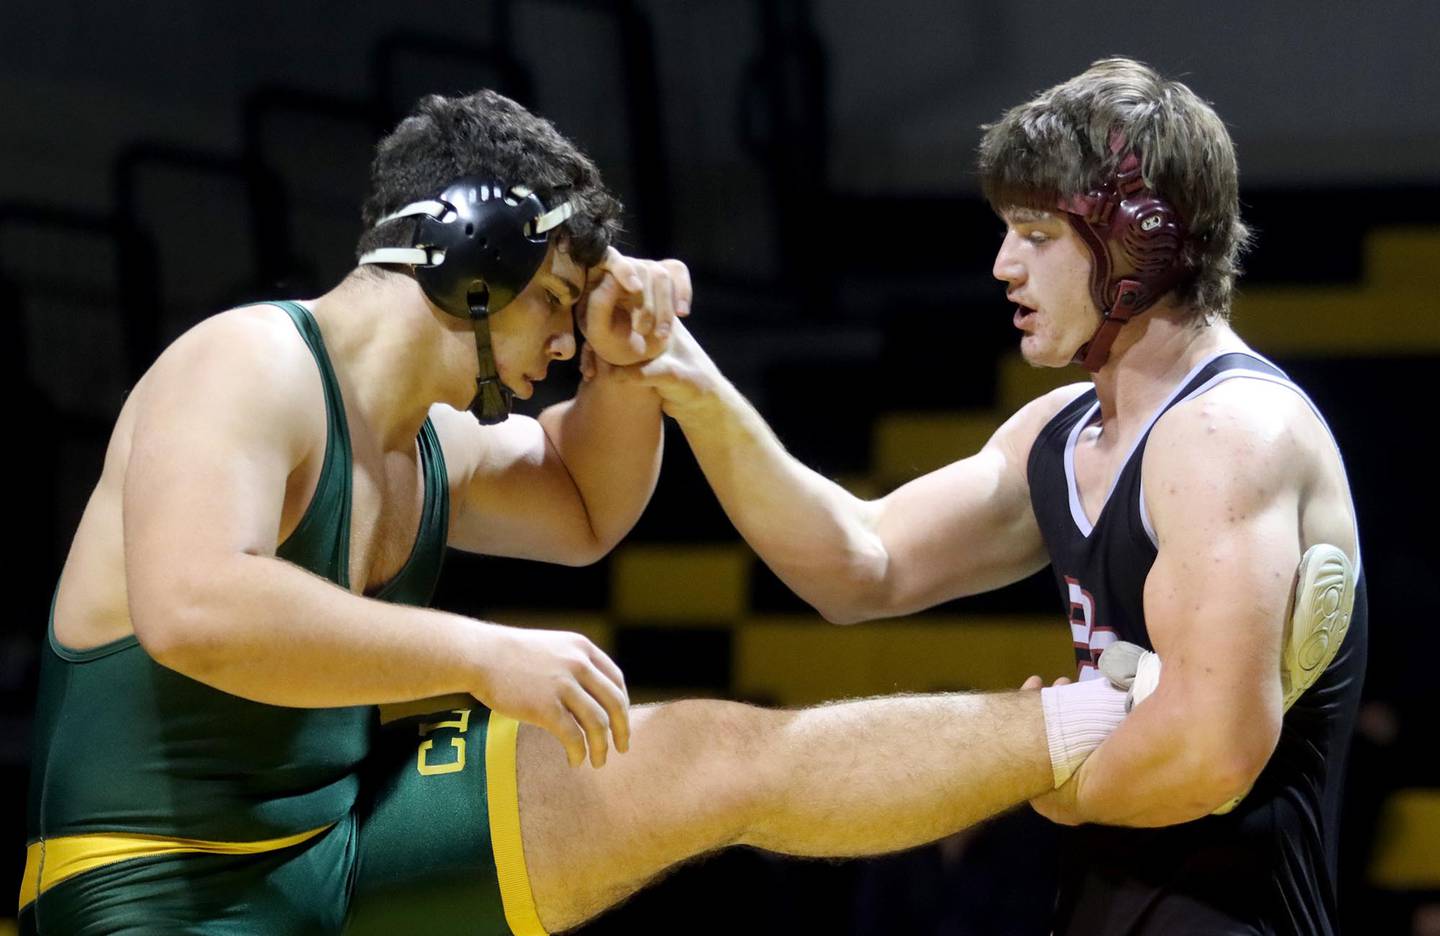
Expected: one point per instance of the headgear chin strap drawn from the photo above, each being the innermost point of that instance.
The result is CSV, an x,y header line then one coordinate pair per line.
x,y
1135,239
476,246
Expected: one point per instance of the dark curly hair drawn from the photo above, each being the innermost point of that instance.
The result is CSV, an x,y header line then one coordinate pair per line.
x,y
1058,145
485,134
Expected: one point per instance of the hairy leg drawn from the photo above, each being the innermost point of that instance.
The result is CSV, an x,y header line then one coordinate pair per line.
x,y
854,778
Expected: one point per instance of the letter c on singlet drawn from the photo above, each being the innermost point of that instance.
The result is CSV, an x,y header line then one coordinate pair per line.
x,y
461,724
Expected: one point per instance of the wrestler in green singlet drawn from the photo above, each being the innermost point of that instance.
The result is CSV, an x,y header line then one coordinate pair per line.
x,y
158,803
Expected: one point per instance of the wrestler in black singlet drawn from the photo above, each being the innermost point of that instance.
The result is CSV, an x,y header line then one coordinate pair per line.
x,y
1270,865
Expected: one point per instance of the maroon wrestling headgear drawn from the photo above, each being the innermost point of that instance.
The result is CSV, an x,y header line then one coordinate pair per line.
x,y
1135,239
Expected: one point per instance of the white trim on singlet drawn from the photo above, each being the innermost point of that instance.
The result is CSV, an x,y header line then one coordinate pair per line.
x,y
1077,511
1145,520
1234,372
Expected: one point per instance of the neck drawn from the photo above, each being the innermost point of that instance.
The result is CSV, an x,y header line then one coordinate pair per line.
x,y
392,353
1151,354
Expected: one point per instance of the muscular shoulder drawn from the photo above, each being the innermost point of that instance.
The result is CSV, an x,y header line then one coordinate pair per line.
x,y
256,343
1240,446
1019,432
245,363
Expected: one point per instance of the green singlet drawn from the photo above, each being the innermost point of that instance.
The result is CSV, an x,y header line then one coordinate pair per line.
x,y
159,804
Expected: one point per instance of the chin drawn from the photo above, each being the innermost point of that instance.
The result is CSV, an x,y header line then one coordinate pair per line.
x,y
521,389
1038,355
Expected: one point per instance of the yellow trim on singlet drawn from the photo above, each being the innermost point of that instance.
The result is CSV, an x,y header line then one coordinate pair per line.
x,y
50,861
504,798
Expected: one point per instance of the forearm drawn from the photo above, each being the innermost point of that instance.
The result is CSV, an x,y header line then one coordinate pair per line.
x,y
610,440
1168,763
261,628
816,536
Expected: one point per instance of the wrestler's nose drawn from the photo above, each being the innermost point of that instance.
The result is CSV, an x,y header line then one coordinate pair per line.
x,y
1008,267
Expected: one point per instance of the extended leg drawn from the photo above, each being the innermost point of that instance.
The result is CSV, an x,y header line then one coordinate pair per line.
x,y
853,778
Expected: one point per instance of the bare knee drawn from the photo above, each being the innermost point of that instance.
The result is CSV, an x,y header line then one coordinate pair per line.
x,y
719,750
696,779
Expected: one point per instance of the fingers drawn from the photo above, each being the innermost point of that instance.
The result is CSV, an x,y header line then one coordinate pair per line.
x,y
588,367
684,292
564,727
625,270
594,724
661,299
630,306
614,704
598,703
1062,681
1034,682
619,711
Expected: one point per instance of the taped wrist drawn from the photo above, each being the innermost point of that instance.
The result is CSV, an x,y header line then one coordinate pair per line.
x,y
1077,718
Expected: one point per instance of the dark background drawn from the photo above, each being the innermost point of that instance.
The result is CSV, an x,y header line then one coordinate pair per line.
x,y
813,163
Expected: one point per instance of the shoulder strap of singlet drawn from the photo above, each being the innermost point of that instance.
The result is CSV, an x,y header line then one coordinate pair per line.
x,y
414,584
324,548
436,522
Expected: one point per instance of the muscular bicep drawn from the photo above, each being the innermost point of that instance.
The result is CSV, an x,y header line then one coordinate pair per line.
x,y
964,529
514,495
215,437
969,527
1223,492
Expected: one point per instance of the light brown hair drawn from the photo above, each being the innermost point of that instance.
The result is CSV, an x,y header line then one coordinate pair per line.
x,y
1059,144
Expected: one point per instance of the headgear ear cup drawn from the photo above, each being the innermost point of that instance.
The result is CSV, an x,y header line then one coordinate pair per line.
x,y
476,246
1136,241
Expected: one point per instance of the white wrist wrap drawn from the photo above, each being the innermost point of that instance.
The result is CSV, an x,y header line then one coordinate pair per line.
x,y
1077,718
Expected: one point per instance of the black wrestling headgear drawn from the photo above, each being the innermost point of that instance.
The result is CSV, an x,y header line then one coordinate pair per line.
x,y
476,246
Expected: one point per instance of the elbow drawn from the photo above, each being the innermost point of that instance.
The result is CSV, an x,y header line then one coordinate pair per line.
x,y
861,593
841,614
172,621
586,552
851,609
1220,782
1246,763
1228,765
165,631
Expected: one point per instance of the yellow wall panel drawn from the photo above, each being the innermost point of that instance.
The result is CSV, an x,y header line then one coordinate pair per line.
x,y
1407,848
1338,322
1020,383
907,445
1404,259
681,583
797,660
